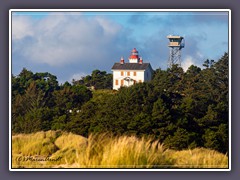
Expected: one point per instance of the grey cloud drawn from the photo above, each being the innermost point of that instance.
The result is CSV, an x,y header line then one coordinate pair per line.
x,y
60,40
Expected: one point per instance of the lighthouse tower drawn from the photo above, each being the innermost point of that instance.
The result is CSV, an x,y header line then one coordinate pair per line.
x,y
134,58
132,72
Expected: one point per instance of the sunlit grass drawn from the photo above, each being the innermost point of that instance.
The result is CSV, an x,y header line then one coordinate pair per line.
x,y
123,152
106,151
40,143
199,158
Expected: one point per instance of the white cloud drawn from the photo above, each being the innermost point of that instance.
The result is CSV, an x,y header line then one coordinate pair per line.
x,y
77,76
61,39
194,59
187,62
108,27
21,27
200,55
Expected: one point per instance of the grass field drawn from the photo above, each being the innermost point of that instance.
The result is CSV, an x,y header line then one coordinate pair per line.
x,y
57,149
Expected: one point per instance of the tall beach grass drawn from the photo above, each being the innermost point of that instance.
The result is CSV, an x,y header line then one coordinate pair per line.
x,y
106,151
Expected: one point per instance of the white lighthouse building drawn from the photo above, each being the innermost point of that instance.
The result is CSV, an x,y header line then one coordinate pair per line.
x,y
132,72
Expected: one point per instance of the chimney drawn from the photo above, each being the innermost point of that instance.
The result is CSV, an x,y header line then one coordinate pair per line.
x,y
140,61
122,60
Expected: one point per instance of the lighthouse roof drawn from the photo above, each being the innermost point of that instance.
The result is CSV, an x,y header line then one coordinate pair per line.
x,y
134,50
131,66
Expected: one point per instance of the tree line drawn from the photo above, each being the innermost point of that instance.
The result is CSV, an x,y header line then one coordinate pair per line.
x,y
180,109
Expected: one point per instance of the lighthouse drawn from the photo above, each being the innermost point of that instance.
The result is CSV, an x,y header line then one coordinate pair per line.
x,y
132,72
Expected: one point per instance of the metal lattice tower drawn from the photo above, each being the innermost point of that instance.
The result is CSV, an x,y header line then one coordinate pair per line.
x,y
175,45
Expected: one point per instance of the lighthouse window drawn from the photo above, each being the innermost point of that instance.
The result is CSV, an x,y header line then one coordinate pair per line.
x,y
116,82
122,73
122,82
128,73
134,73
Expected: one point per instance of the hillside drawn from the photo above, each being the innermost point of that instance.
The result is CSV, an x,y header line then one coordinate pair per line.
x,y
58,149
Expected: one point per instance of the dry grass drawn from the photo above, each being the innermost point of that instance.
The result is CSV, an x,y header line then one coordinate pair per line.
x,y
199,158
124,152
37,145
69,144
40,143
67,150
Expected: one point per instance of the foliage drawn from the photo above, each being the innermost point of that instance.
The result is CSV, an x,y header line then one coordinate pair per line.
x,y
39,103
98,80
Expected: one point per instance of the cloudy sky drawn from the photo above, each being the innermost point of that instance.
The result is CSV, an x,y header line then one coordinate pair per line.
x,y
73,44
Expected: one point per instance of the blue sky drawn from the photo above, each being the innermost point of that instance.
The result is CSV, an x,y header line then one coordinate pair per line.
x,y
73,44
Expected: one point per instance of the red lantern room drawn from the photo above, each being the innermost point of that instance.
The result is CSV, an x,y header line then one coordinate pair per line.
x,y
133,58
122,60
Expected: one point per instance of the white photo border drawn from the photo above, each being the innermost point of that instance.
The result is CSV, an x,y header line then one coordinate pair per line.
x,y
114,10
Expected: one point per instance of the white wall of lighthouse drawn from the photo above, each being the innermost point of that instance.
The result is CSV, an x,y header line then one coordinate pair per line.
x,y
119,76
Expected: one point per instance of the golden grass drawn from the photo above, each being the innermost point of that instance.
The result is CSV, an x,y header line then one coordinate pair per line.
x,y
67,150
69,144
129,152
199,158
40,143
37,145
